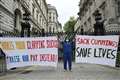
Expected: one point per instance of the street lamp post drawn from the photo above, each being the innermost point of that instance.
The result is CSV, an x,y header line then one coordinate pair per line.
x,y
99,25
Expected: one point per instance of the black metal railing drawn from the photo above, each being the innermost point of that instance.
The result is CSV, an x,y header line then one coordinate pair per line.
x,y
61,38
118,59
2,63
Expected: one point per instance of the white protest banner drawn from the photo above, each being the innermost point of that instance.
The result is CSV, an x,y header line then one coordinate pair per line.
x,y
97,49
22,52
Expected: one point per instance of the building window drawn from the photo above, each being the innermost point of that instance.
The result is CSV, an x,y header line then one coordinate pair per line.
x,y
49,29
85,24
53,19
33,10
49,13
37,15
53,30
103,8
118,8
0,15
90,3
50,19
40,20
89,21
38,2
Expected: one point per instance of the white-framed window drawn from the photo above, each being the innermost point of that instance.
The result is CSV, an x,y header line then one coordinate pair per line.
x,y
118,8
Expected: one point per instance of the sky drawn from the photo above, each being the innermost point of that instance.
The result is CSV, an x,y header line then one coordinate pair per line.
x,y
65,9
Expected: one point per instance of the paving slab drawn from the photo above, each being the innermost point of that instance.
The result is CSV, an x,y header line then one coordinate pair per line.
x,y
79,72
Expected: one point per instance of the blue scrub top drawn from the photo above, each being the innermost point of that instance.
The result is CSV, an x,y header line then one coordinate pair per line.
x,y
67,48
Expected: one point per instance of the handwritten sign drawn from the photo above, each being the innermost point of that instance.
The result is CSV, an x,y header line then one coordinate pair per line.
x,y
97,49
22,52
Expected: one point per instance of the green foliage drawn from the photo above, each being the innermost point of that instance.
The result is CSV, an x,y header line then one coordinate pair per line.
x,y
69,28
69,25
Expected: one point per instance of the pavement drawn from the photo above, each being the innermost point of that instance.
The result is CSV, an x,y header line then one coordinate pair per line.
x,y
79,72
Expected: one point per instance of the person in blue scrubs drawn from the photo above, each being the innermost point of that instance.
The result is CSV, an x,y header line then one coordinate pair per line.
x,y
67,50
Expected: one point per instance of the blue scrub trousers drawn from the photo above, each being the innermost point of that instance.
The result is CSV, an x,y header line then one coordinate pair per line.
x,y
67,55
67,61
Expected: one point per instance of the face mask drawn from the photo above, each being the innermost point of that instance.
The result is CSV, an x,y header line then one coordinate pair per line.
x,y
67,40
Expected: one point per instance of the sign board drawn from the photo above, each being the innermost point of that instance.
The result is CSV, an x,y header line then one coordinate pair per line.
x,y
97,49
22,52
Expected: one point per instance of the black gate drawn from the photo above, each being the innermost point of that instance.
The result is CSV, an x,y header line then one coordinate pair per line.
x,y
2,62
118,55
61,38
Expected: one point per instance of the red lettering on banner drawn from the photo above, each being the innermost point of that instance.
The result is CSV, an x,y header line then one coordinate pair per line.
x,y
35,44
43,57
48,57
83,41
52,44
86,41
104,43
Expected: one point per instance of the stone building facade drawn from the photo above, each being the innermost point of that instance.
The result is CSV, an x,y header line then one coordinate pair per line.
x,y
59,27
38,14
6,15
110,10
52,19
